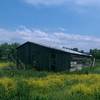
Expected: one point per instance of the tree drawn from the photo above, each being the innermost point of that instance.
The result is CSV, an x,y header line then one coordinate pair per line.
x,y
8,51
95,53
75,49
82,51
0,53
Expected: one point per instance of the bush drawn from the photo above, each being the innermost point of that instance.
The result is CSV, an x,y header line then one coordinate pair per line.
x,y
29,85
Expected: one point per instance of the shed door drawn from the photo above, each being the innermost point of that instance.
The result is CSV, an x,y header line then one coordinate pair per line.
x,y
52,62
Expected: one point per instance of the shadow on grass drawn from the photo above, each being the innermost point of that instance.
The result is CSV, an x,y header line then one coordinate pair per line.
x,y
23,73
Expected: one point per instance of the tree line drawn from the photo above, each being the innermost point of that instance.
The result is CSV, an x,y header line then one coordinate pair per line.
x,y
94,52
8,51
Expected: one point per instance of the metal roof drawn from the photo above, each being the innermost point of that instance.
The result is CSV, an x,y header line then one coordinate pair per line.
x,y
60,48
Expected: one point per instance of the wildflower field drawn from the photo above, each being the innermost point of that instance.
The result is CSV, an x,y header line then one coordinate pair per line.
x,y
33,85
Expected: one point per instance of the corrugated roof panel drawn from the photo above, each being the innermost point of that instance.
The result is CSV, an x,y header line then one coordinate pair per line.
x,y
60,47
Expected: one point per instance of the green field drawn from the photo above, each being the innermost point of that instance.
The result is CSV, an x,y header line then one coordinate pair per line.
x,y
33,85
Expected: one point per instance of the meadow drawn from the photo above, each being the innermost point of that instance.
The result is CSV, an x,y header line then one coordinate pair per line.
x,y
34,85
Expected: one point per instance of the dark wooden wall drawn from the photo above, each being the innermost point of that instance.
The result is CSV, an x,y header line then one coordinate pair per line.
x,y
31,55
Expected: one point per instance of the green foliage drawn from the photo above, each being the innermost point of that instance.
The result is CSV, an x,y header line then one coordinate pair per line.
x,y
33,85
7,65
8,51
95,53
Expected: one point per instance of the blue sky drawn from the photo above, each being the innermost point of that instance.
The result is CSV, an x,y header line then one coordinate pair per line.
x,y
73,23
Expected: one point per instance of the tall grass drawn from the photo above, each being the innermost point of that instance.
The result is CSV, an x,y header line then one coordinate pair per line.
x,y
7,65
32,85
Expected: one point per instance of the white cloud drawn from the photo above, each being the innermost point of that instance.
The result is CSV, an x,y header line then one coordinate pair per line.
x,y
45,2
64,2
87,2
24,34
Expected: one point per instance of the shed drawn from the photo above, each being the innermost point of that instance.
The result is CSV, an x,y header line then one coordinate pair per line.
x,y
52,58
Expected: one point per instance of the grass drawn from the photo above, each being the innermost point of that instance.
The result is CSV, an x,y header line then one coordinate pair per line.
x,y
34,85
6,64
49,86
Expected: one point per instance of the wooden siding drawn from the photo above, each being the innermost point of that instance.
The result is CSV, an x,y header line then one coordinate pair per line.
x,y
31,55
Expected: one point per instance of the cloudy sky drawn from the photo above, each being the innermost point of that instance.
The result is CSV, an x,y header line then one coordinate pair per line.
x,y
72,23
